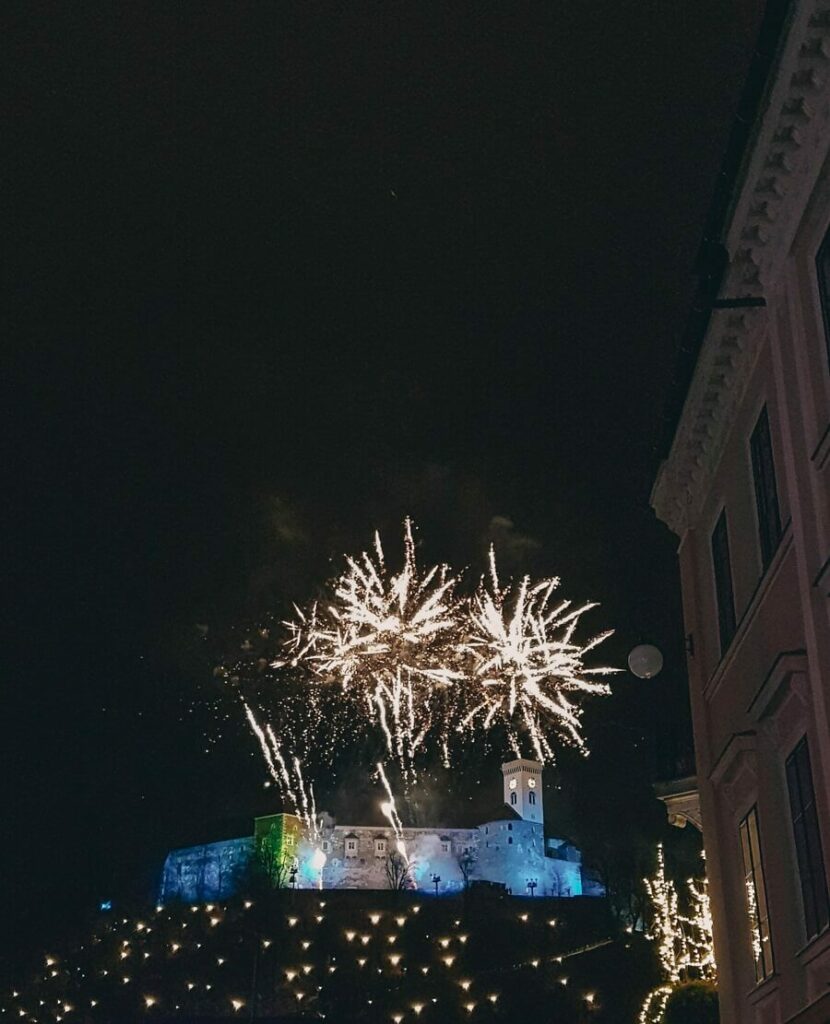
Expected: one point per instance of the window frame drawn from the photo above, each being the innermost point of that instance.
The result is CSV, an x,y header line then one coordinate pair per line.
x,y
765,488
755,892
822,261
724,585
812,876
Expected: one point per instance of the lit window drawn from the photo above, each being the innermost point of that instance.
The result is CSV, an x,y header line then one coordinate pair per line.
x,y
807,840
766,492
723,582
756,896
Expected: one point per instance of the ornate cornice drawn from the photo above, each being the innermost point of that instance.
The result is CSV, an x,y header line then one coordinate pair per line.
x,y
779,175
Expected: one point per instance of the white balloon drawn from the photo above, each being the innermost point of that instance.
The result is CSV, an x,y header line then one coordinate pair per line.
x,y
645,661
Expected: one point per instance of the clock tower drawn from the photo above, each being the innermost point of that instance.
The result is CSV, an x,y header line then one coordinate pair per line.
x,y
523,788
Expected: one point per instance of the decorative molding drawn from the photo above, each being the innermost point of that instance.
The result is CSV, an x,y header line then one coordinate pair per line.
x,y
780,172
789,670
735,773
682,801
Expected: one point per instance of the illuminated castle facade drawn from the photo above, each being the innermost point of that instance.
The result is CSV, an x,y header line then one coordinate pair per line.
x,y
509,850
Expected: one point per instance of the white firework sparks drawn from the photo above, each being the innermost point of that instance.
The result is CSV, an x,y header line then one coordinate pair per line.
x,y
424,667
288,775
526,663
389,641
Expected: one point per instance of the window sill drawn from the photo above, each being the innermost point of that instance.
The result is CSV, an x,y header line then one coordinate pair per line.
x,y
764,584
763,989
815,947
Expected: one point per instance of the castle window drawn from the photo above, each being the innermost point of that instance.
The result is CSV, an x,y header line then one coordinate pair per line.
x,y
351,847
445,847
510,827
325,846
531,797
513,799
380,846
510,839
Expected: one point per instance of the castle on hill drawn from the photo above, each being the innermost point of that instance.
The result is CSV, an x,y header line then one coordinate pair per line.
x,y
509,850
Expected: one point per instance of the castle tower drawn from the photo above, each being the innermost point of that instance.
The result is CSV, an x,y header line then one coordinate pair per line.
x,y
523,788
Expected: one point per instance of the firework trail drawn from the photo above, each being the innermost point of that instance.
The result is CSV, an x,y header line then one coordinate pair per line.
x,y
390,811
288,776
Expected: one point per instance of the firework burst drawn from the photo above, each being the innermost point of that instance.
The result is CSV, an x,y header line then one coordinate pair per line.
x,y
389,641
526,664
402,660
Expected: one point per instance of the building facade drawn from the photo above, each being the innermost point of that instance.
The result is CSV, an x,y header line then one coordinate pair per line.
x,y
510,851
745,486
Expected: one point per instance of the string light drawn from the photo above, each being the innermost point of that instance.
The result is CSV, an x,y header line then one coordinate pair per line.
x,y
685,945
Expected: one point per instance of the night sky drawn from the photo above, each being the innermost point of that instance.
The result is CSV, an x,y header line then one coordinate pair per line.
x,y
282,274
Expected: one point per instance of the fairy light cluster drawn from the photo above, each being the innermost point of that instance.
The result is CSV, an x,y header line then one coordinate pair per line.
x,y
177,964
684,942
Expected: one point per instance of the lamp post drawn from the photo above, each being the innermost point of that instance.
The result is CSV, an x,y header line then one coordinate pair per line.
x,y
531,885
436,881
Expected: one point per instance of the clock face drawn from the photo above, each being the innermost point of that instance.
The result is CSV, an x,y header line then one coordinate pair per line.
x,y
532,783
513,783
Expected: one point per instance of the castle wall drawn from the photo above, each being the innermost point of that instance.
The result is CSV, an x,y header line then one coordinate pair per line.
x,y
357,856
513,852
213,871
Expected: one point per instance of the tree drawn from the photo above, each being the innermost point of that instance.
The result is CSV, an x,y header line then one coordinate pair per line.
x,y
466,864
685,948
397,868
694,1002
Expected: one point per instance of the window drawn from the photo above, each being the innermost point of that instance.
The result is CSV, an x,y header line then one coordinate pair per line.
x,y
380,846
766,493
351,846
325,846
445,847
510,826
807,840
756,896
513,799
823,268
531,797
510,839
723,582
